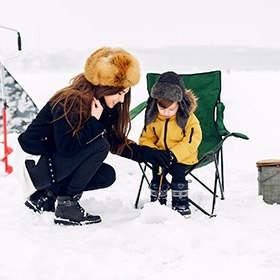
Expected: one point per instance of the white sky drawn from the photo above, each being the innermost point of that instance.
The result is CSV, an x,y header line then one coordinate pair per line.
x,y
84,24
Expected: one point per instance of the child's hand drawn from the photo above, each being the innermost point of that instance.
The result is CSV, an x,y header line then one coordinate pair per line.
x,y
96,108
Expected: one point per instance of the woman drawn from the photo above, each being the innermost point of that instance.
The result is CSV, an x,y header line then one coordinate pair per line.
x,y
67,142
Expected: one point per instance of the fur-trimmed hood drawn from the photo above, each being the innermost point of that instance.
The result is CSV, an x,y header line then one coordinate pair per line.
x,y
170,86
193,99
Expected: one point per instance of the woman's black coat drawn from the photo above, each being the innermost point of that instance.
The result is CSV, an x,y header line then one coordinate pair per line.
x,y
48,133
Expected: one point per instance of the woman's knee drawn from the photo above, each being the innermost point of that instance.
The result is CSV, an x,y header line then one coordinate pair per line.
x,y
104,177
97,151
110,174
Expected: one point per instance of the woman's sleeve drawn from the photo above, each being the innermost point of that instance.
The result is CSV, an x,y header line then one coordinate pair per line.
x,y
134,152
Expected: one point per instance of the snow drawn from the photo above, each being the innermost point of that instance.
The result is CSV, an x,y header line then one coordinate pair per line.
x,y
241,242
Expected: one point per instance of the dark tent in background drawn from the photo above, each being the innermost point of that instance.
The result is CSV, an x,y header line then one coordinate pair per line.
x,y
21,109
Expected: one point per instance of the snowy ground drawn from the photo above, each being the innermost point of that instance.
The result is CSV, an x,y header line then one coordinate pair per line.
x,y
242,242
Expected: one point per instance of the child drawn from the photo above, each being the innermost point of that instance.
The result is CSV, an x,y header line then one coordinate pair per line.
x,y
173,132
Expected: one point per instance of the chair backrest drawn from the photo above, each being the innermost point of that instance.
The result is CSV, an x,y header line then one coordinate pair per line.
x,y
207,87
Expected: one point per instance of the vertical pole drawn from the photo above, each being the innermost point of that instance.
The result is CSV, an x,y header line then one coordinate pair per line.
x,y
5,159
7,150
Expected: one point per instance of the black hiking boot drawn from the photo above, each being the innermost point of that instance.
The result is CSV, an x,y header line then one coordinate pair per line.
x,y
69,212
180,199
41,200
154,186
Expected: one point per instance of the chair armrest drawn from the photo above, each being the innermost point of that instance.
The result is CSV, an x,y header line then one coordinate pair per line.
x,y
220,119
137,110
240,135
220,124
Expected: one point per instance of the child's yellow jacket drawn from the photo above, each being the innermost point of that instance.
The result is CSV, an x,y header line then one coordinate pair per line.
x,y
165,134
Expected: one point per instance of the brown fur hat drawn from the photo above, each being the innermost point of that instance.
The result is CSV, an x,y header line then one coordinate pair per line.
x,y
112,67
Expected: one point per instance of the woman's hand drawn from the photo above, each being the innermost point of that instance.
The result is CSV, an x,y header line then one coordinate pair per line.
x,y
159,158
96,108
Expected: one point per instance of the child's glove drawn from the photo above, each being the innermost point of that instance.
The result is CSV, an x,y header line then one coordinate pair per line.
x,y
159,158
171,158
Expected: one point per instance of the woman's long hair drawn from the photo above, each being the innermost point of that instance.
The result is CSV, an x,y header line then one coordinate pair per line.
x,y
76,99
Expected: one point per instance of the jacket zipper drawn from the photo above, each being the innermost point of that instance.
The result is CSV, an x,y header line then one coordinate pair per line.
x,y
165,134
191,135
154,130
100,134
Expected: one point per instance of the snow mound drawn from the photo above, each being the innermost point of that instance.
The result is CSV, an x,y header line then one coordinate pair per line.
x,y
154,213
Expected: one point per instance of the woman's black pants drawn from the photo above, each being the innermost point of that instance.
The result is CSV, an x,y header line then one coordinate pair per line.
x,y
73,174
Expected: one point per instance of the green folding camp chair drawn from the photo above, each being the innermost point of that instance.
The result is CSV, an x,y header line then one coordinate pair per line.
x,y
207,87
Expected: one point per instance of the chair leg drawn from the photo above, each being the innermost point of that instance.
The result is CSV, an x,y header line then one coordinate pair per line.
x,y
217,180
144,173
219,175
222,172
144,176
201,209
199,181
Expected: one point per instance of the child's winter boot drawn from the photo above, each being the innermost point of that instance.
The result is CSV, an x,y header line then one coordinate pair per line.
x,y
69,212
154,186
180,200
42,200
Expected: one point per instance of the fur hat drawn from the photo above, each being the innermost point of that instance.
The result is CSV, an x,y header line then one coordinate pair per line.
x,y
169,86
112,67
